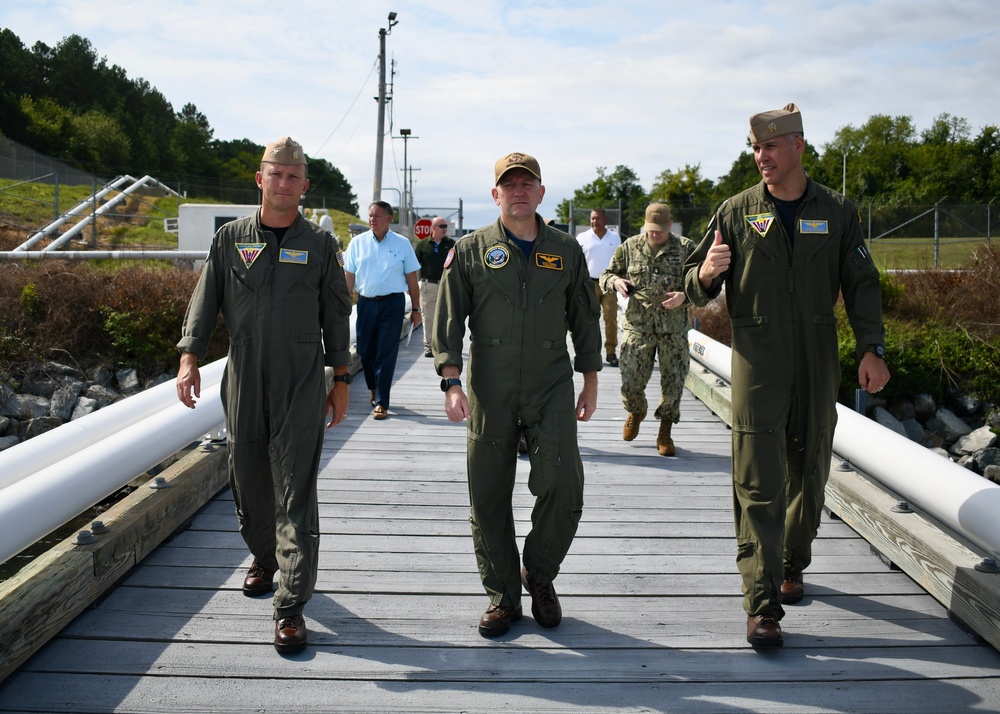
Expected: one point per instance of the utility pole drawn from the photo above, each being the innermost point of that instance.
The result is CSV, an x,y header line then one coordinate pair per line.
x,y
382,33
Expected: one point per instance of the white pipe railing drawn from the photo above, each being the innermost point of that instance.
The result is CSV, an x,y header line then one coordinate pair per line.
x,y
35,506
53,446
960,499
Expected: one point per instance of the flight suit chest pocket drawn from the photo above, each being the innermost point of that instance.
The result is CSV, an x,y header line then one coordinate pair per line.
x,y
251,277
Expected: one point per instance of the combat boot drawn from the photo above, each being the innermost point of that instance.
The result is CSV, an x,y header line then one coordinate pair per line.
x,y
631,429
664,444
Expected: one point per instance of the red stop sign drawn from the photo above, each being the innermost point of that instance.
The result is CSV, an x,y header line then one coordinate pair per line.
x,y
422,229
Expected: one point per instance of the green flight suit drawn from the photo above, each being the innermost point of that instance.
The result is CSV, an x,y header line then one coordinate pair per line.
x,y
650,329
520,376
786,374
288,314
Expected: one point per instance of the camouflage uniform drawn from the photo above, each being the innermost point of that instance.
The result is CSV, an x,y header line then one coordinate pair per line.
x,y
649,328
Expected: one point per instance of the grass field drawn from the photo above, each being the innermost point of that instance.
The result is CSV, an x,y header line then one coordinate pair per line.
x,y
915,254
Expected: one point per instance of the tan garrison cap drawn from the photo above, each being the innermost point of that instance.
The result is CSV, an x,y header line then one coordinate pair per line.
x,y
776,122
657,218
284,151
516,161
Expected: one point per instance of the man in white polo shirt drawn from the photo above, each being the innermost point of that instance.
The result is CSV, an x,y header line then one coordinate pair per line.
x,y
599,244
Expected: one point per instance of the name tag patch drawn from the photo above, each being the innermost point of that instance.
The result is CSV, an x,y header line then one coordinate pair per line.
x,y
249,252
761,222
549,262
815,227
298,257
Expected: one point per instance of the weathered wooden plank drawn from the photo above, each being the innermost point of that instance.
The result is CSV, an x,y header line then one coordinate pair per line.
x,y
506,660
101,694
934,558
56,587
570,584
378,620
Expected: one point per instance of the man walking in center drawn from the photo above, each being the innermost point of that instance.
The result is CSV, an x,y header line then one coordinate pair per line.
x,y
381,265
785,249
599,244
431,254
277,279
649,270
520,284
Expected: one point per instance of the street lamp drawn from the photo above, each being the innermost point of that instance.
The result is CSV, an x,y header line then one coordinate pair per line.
x,y
382,33
407,205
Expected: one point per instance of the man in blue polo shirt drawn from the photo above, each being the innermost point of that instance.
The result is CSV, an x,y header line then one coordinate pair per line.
x,y
381,265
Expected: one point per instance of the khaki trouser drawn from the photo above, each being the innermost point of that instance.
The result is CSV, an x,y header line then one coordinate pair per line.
x,y
428,304
609,308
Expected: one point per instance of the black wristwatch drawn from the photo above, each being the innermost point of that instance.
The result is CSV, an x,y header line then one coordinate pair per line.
x,y
345,378
877,350
448,383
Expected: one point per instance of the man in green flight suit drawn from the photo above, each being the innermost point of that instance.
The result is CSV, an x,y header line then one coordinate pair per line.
x,y
520,284
649,270
785,249
279,282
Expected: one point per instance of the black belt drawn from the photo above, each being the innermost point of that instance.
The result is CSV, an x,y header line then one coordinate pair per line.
x,y
380,297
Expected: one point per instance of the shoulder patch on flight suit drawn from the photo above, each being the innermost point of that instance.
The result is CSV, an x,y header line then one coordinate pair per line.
x,y
761,222
249,252
816,227
299,257
340,258
496,257
549,262
450,257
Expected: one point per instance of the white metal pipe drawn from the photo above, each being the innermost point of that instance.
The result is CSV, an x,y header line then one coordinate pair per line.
x,y
78,209
37,453
87,220
35,506
962,500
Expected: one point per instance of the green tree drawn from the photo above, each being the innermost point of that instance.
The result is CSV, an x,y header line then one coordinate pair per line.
x,y
620,187
97,139
942,162
190,143
879,162
688,194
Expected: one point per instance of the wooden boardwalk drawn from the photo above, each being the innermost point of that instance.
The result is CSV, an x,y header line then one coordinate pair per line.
x,y
650,592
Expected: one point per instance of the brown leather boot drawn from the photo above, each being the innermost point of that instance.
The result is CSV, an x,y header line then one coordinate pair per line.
x,y
631,428
664,444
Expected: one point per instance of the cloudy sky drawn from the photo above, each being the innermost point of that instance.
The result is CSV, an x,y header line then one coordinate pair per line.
x,y
653,85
